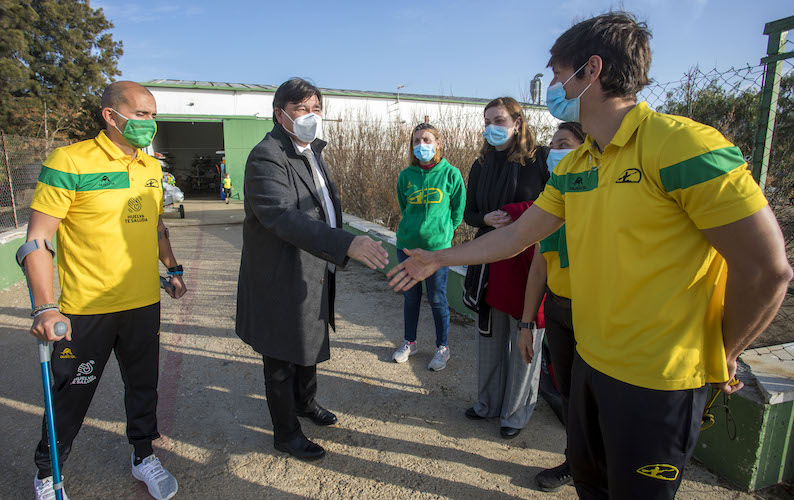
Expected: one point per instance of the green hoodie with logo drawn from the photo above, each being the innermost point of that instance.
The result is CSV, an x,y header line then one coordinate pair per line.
x,y
431,203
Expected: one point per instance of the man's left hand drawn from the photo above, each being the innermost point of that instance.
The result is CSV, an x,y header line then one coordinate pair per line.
x,y
727,387
177,288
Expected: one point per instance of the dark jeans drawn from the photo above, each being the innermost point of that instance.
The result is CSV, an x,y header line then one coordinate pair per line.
x,y
290,389
562,345
628,442
77,366
436,285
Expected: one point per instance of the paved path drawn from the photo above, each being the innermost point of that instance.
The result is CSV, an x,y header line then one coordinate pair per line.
x,y
401,432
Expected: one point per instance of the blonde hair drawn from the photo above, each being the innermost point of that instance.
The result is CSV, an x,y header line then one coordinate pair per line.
x,y
524,145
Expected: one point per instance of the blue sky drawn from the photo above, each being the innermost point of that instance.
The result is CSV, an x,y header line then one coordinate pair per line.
x,y
462,48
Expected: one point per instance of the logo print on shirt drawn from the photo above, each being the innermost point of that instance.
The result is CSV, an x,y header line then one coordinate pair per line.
x,y
105,181
152,183
67,354
629,176
84,371
135,204
426,195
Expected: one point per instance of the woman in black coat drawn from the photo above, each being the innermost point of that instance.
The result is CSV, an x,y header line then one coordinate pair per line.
x,y
511,168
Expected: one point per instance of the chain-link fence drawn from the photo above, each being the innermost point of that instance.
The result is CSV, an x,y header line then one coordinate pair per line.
x,y
20,163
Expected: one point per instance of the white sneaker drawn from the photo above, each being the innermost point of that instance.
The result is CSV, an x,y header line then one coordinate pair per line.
x,y
162,485
401,354
439,361
44,490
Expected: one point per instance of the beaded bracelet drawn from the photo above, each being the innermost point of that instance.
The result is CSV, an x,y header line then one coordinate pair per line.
x,y
43,307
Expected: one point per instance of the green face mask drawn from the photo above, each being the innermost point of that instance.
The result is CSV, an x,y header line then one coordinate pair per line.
x,y
139,133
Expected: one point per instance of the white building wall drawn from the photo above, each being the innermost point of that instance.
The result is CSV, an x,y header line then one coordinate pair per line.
x,y
352,109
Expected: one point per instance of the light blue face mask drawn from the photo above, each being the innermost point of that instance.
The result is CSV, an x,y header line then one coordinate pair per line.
x,y
561,108
424,152
555,155
496,135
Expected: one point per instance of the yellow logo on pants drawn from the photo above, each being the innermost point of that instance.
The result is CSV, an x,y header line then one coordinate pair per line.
x,y
664,472
67,354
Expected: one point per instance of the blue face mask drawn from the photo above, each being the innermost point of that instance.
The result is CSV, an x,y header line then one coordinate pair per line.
x,y
496,135
555,155
561,108
424,152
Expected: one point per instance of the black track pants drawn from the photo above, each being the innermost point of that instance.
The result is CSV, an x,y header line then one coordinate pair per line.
x,y
77,366
629,442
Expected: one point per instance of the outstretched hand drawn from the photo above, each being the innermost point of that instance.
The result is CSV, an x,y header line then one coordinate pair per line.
x,y
368,251
419,265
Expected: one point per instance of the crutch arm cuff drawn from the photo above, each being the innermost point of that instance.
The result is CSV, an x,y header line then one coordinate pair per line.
x,y
32,246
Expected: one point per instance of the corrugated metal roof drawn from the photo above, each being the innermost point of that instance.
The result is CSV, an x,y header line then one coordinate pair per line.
x,y
343,92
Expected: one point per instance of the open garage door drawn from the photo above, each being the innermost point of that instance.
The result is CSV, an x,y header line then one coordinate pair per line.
x,y
191,154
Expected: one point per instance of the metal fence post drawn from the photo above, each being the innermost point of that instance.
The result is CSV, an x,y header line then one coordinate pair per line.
x,y
10,182
777,31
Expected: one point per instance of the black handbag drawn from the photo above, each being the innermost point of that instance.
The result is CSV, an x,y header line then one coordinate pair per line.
x,y
475,285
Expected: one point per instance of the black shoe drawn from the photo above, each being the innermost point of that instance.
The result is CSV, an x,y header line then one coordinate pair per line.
x,y
509,432
300,447
470,413
555,478
319,415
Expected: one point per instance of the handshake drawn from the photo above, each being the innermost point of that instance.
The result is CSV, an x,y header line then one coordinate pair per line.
x,y
406,274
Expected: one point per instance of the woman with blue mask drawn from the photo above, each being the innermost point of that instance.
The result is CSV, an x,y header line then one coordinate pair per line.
x,y
432,198
549,274
510,170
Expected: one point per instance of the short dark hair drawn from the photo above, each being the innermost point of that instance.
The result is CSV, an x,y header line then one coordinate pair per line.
x,y
295,90
622,42
574,128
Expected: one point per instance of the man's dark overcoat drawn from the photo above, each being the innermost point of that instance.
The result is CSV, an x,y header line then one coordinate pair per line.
x,y
285,292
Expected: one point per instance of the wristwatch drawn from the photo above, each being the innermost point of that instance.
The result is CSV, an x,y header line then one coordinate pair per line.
x,y
522,324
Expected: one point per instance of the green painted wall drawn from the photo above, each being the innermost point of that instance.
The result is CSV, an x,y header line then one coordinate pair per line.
x,y
762,452
239,138
10,272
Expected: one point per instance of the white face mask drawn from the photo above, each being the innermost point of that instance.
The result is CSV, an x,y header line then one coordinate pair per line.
x,y
305,128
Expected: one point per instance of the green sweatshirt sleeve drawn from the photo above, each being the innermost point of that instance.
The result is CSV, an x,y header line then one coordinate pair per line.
x,y
401,192
457,200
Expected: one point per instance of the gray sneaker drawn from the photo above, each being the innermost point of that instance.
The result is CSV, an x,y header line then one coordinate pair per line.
x,y
162,485
439,361
401,354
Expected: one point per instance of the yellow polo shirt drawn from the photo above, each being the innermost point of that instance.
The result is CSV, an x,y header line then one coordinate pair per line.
x,y
648,288
107,240
555,252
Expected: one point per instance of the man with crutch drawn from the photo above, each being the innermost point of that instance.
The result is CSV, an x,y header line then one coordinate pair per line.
x,y
104,198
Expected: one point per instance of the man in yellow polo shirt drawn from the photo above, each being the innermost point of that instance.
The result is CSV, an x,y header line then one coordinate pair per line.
x,y
104,197
657,209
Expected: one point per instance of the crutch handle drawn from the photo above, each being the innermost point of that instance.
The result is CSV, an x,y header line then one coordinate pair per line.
x,y
61,328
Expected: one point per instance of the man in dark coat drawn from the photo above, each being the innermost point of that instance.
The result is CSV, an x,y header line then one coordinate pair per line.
x,y
292,243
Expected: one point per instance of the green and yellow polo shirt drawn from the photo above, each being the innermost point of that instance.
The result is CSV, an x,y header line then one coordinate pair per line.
x,y
647,287
555,252
107,240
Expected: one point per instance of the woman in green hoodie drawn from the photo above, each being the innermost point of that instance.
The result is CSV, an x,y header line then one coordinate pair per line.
x,y
432,199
